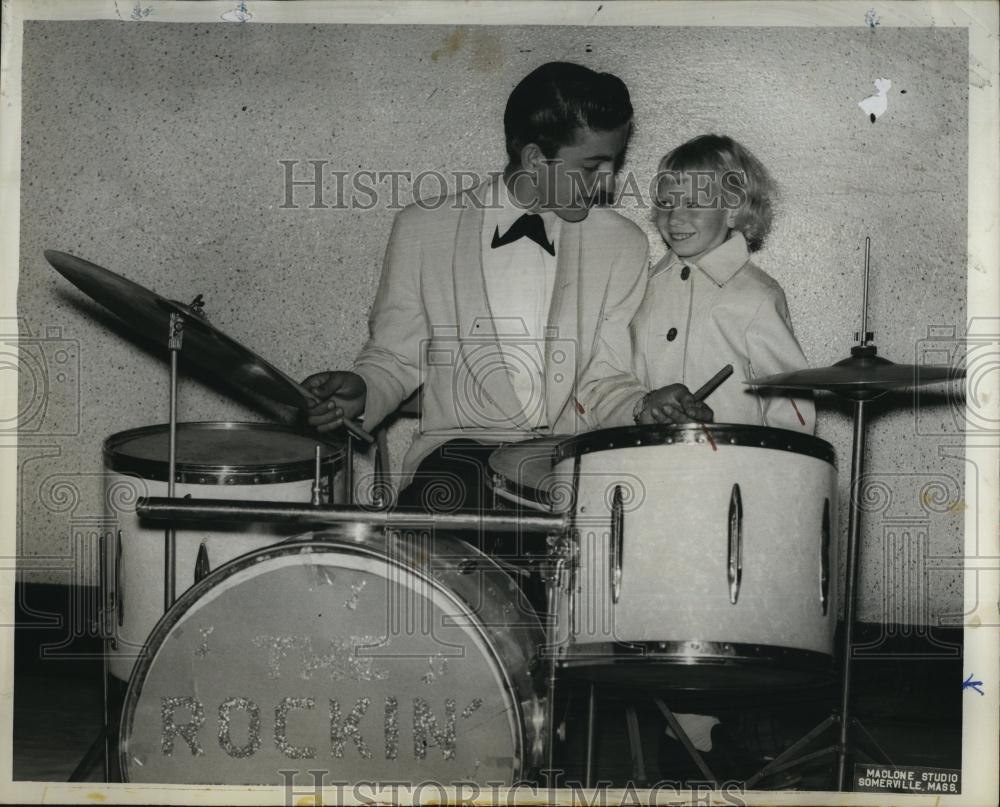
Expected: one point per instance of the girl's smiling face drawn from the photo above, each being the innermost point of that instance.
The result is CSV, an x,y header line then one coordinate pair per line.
x,y
691,215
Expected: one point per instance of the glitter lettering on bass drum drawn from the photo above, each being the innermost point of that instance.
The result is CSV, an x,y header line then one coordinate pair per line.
x,y
403,659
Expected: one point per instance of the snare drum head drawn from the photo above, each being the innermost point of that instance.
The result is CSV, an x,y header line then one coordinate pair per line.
x,y
248,449
325,655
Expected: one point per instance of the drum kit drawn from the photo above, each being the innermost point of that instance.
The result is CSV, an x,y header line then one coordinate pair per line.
x,y
243,589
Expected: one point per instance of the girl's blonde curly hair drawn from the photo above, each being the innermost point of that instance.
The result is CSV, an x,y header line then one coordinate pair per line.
x,y
744,173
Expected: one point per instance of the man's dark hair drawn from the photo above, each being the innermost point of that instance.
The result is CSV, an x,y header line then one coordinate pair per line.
x,y
554,100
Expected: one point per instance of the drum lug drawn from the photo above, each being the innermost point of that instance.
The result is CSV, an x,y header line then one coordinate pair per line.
x,y
824,559
201,564
734,568
104,613
563,550
119,596
617,537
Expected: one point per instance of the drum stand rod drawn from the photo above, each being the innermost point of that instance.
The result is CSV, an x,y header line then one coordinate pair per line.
x,y
552,598
588,770
174,342
681,735
842,719
850,588
100,749
158,508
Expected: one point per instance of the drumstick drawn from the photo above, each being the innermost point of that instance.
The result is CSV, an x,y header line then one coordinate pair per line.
x,y
713,383
352,427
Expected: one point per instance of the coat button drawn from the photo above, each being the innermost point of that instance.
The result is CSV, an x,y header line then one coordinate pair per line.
x,y
685,273
671,334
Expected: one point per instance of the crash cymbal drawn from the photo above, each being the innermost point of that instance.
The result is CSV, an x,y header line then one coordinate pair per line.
x,y
203,343
860,373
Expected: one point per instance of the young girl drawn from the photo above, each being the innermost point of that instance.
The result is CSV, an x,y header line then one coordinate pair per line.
x,y
706,303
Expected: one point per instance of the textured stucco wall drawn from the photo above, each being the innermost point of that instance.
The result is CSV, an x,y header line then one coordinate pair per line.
x,y
153,150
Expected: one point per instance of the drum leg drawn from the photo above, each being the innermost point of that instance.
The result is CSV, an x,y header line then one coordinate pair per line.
x,y
781,762
100,749
879,754
349,470
97,750
635,747
588,771
675,726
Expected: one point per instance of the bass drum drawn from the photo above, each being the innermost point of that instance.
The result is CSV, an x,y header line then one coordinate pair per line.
x,y
364,654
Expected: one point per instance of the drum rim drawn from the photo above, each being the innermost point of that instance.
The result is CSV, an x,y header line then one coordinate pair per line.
x,y
299,545
692,652
695,433
538,496
710,654
208,474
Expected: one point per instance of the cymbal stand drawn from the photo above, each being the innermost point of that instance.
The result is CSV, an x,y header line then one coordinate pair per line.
x,y
175,341
100,749
864,351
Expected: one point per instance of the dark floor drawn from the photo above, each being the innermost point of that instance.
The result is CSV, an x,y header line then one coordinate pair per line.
x,y
909,702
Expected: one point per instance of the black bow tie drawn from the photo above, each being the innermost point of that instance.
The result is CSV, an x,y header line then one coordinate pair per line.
x,y
529,225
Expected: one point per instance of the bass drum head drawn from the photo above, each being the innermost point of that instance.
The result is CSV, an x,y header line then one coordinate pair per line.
x,y
336,653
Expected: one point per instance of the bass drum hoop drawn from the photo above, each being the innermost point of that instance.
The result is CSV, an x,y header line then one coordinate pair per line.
x,y
695,433
192,473
301,545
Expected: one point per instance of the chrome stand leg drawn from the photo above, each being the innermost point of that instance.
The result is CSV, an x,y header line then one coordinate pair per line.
x,y
174,342
635,746
551,597
588,771
686,741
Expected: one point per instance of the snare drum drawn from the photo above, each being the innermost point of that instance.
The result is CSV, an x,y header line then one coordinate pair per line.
x,y
260,461
704,557
370,657
523,474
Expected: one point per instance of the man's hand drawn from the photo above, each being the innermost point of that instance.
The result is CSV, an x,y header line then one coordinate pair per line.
x,y
672,404
340,395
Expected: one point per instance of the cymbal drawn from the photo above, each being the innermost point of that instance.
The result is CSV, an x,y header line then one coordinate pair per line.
x,y
860,374
202,343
